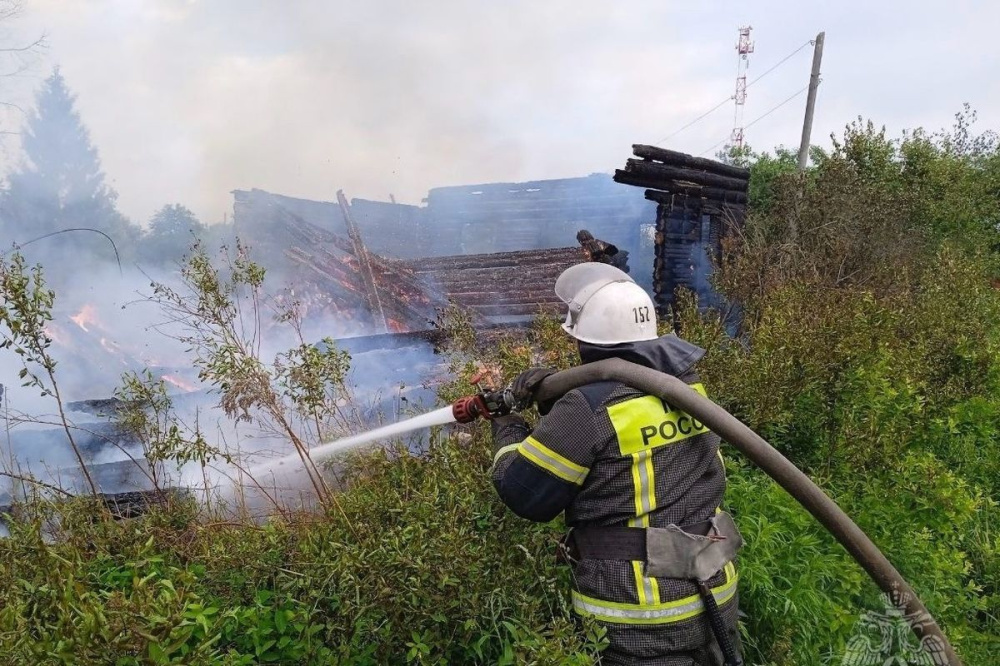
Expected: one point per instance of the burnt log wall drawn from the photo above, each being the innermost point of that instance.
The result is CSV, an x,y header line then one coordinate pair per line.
x,y
504,217
502,285
699,202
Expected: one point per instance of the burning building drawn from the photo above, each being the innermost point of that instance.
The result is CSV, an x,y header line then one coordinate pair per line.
x,y
356,260
496,248
698,202
375,274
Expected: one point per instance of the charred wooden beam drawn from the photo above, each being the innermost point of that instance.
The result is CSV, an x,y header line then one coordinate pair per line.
x,y
518,309
488,279
96,406
639,180
714,194
126,505
674,158
478,298
663,173
562,256
434,336
361,252
134,504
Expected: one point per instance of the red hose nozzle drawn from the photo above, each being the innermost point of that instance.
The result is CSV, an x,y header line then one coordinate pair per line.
x,y
469,408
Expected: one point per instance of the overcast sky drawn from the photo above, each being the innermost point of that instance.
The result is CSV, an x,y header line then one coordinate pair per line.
x,y
187,100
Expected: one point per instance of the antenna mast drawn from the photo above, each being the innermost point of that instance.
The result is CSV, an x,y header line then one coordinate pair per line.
x,y
744,47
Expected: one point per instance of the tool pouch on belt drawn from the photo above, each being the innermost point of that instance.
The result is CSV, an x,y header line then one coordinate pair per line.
x,y
673,553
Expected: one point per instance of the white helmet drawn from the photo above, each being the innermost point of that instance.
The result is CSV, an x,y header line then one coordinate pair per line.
x,y
606,306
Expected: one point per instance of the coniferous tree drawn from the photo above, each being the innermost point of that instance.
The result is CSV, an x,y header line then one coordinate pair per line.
x,y
171,232
60,184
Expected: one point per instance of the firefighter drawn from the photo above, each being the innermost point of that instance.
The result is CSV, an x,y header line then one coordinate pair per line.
x,y
601,251
640,482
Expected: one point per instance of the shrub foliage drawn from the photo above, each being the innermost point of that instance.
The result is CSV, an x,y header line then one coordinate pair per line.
x,y
868,352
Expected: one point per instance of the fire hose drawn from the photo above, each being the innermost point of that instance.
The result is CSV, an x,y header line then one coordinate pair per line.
x,y
488,404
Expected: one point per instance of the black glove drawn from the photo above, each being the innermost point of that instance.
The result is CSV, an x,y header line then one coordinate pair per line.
x,y
508,429
526,383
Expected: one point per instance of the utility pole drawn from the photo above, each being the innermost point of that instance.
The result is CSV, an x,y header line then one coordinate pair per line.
x,y
807,123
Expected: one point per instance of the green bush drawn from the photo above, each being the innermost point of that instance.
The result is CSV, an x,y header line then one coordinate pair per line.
x,y
869,353
420,564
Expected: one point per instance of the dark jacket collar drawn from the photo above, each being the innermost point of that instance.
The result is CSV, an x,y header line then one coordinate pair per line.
x,y
668,353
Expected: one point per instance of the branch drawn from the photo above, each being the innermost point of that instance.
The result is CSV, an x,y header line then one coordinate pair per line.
x,y
28,479
38,43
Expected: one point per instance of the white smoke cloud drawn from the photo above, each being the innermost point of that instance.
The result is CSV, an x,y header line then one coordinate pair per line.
x,y
188,100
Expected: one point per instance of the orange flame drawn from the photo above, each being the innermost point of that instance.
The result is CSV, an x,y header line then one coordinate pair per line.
x,y
87,316
180,383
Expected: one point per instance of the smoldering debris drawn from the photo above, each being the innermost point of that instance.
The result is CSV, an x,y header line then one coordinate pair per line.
x,y
699,201
294,238
374,276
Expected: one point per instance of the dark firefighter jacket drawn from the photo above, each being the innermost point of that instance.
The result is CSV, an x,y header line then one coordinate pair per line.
x,y
607,454
606,253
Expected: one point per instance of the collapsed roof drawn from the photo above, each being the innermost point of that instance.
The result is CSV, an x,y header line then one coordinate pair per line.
x,y
324,250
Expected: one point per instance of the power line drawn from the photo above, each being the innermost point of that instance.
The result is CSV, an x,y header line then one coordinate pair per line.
x,y
63,231
759,118
731,97
779,63
707,150
704,115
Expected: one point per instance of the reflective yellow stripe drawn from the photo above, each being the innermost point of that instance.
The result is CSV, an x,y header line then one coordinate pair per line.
x,y
503,450
639,471
644,483
644,487
655,613
548,459
646,423
643,589
730,570
648,588
650,483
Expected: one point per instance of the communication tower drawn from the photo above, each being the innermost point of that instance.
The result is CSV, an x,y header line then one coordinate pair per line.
x,y
744,47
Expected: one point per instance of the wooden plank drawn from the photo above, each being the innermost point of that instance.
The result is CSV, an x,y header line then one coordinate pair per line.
x,y
668,173
674,158
675,191
494,297
518,309
559,256
367,279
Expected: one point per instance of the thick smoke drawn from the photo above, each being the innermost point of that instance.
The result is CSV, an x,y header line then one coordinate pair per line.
x,y
104,325
189,100
59,212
